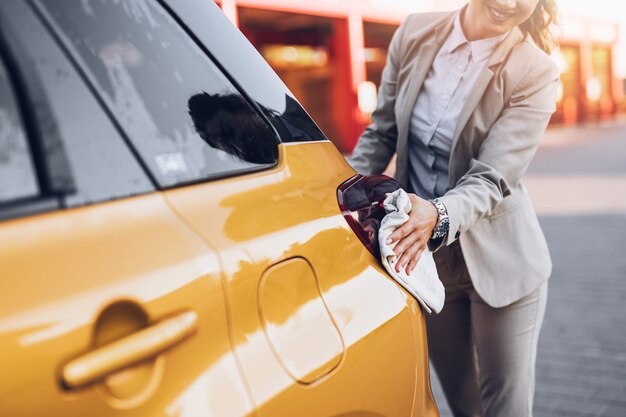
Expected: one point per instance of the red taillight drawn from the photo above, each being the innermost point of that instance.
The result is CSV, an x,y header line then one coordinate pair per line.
x,y
360,201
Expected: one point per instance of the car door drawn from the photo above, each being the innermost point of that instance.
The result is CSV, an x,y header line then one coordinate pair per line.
x,y
111,305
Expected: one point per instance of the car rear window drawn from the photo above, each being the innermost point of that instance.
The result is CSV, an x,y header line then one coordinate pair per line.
x,y
17,173
185,119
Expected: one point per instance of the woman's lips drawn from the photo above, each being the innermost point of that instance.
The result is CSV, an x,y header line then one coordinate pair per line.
x,y
499,16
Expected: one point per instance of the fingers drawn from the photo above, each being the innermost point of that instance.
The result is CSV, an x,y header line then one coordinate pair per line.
x,y
413,263
407,242
409,258
420,218
401,232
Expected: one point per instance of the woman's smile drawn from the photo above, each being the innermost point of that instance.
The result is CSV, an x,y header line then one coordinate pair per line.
x,y
499,15
486,18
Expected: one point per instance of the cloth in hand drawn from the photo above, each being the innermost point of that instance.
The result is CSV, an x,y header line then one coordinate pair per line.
x,y
423,283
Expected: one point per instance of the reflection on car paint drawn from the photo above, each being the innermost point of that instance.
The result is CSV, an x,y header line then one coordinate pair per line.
x,y
214,384
306,340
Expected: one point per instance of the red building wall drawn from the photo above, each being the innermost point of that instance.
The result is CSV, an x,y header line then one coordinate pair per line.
x,y
351,30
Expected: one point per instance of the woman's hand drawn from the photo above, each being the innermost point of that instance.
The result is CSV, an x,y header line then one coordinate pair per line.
x,y
412,236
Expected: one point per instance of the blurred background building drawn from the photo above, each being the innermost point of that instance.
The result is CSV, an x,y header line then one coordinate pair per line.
x,y
331,53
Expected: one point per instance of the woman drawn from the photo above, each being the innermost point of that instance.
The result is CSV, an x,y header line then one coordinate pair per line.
x,y
464,100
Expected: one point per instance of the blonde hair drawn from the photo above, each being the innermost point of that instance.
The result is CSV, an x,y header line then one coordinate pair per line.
x,y
539,23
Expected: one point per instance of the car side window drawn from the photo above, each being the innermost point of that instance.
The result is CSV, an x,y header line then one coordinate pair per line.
x,y
185,119
17,172
70,128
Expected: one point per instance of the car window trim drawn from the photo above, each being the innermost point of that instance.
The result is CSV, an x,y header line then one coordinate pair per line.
x,y
28,207
50,27
53,171
49,192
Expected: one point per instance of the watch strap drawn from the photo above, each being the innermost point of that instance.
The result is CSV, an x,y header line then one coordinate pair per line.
x,y
443,221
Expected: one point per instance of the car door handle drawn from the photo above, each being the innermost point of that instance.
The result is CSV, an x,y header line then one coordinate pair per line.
x,y
136,347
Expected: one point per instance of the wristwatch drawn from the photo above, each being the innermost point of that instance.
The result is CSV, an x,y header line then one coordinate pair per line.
x,y
441,229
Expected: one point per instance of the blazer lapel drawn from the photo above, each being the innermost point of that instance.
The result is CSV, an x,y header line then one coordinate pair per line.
x,y
485,76
421,65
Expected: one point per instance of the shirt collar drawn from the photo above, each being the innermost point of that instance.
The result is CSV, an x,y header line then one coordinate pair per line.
x,y
481,49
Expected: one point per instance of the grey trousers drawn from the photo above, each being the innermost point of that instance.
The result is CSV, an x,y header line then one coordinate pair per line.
x,y
484,356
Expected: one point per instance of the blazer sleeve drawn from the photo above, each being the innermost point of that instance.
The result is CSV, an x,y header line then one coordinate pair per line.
x,y
377,143
506,152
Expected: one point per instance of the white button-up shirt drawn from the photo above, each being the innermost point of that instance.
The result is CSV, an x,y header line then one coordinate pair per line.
x,y
438,107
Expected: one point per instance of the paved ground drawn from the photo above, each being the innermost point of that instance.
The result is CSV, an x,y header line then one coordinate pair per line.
x,y
578,184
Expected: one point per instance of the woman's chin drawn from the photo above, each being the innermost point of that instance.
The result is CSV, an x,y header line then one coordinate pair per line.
x,y
498,28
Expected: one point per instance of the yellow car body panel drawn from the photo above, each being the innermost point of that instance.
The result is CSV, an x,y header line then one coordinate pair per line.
x,y
76,280
376,357
243,296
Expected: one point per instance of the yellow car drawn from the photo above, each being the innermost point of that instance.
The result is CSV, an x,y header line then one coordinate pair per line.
x,y
177,237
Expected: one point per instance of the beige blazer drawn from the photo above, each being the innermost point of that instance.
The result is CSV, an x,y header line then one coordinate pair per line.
x,y
498,132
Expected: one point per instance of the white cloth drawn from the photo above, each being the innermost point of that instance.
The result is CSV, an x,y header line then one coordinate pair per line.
x,y
423,283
